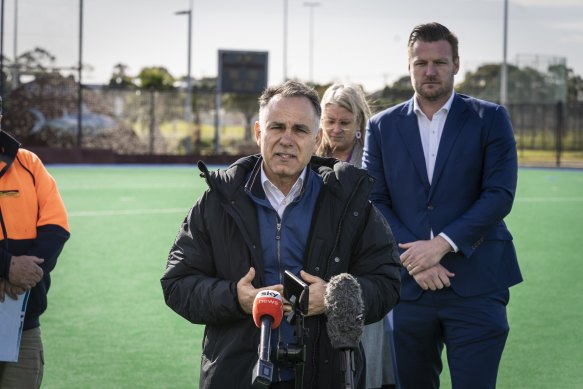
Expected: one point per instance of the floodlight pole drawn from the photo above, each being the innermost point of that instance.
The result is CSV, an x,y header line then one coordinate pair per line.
x,y
504,70
284,40
218,105
15,47
188,104
311,5
80,89
1,48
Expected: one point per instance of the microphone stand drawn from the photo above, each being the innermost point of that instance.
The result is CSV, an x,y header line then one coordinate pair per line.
x,y
299,366
263,370
298,294
347,366
295,352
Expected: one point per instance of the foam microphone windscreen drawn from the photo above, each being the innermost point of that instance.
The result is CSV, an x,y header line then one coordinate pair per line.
x,y
345,311
268,302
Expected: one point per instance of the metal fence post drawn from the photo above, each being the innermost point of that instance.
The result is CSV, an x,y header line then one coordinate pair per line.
x,y
152,119
559,133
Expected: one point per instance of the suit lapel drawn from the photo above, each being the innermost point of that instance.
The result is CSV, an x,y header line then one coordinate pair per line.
x,y
454,123
409,130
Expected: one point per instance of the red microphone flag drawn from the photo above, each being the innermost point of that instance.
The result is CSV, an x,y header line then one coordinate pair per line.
x,y
268,302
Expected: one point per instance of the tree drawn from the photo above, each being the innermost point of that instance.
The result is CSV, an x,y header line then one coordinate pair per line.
x,y
36,60
574,87
119,78
4,77
203,97
484,82
398,92
203,100
525,85
321,88
156,78
247,105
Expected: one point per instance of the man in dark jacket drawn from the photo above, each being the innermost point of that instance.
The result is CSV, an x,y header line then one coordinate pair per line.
x,y
281,210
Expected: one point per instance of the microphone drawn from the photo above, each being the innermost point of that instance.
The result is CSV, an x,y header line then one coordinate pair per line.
x,y
267,315
345,311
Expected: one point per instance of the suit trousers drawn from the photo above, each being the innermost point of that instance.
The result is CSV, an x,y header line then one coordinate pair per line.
x,y
27,372
473,329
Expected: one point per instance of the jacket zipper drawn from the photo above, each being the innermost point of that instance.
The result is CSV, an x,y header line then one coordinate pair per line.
x,y
278,239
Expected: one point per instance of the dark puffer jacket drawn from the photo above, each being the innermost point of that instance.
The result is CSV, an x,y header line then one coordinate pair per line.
x,y
219,241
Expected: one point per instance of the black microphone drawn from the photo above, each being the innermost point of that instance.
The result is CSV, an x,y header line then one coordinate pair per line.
x,y
267,314
345,312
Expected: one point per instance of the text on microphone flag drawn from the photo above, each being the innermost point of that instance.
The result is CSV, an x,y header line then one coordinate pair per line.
x,y
268,303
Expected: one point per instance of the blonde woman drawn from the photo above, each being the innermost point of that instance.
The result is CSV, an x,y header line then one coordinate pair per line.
x,y
344,116
345,113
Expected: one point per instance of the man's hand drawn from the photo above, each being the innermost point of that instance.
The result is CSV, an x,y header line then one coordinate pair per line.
x,y
423,254
436,277
6,288
246,292
25,271
317,291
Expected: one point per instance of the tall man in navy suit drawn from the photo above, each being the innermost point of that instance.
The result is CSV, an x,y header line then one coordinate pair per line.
x,y
446,168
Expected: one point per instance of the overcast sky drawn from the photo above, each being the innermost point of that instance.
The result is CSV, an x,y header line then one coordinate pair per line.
x,y
362,41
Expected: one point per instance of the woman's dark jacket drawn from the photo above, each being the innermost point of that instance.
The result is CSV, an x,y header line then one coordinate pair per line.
x,y
219,241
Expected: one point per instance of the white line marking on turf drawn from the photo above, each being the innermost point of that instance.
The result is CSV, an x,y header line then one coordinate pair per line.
x,y
159,211
549,199
123,212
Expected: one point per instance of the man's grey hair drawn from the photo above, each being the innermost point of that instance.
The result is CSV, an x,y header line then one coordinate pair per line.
x,y
291,89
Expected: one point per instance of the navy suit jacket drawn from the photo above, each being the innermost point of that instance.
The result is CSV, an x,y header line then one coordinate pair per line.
x,y
472,190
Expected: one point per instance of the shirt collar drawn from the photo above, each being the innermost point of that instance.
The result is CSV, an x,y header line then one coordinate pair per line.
x,y
295,190
446,107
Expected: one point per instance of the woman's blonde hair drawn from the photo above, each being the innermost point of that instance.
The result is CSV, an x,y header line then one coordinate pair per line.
x,y
352,98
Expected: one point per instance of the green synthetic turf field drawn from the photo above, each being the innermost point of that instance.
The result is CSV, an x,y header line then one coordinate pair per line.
x,y
107,325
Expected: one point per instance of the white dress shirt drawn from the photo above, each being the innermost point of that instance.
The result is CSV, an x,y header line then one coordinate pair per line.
x,y
276,198
430,131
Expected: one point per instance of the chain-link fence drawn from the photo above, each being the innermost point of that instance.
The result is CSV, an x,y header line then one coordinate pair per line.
x,y
45,113
549,134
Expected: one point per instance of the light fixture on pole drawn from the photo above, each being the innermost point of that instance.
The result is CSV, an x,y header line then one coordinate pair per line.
x,y
15,70
188,103
284,40
311,5
80,88
1,48
504,70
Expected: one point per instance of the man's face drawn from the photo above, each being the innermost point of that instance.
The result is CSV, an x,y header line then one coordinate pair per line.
x,y
288,135
432,69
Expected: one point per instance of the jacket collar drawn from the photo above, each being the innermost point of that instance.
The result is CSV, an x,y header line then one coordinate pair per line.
x,y
8,150
454,124
409,130
226,182
246,173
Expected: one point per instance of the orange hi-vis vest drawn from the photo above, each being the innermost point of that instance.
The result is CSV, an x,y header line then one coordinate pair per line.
x,y
29,198
33,219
